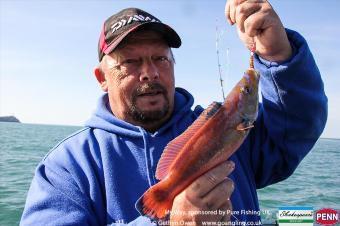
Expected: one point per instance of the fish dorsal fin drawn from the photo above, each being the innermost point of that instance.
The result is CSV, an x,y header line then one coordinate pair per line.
x,y
175,146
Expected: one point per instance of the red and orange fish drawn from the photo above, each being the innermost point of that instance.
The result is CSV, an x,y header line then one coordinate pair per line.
x,y
216,134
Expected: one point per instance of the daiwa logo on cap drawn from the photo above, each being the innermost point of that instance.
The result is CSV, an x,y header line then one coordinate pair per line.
x,y
118,26
130,19
296,216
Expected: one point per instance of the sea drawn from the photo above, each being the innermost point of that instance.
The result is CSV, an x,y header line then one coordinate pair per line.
x,y
315,183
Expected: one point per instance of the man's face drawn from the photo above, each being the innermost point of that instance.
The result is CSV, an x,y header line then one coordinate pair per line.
x,y
139,77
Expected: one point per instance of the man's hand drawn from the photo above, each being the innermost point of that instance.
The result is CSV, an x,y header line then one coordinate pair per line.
x,y
210,192
257,22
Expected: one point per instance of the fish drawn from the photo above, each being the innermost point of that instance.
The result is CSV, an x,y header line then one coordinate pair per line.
x,y
212,138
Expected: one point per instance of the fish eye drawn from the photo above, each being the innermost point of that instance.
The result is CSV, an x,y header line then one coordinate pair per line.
x,y
245,90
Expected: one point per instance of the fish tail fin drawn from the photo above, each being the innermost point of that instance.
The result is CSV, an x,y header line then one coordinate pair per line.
x,y
156,202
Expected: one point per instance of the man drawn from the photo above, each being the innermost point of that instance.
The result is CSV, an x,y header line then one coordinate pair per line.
x,y
95,176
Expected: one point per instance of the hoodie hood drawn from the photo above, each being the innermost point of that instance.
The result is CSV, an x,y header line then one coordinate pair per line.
x,y
103,117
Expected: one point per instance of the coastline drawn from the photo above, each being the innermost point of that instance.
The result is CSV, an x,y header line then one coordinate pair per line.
x,y
9,118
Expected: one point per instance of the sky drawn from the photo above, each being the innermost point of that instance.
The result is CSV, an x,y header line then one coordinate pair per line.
x,y
48,50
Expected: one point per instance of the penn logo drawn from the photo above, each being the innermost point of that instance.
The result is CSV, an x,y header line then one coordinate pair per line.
x,y
327,216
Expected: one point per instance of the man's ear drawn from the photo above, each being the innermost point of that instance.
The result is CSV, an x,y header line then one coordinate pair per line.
x,y
101,78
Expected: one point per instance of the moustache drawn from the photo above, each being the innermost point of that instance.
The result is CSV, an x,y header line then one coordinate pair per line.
x,y
150,89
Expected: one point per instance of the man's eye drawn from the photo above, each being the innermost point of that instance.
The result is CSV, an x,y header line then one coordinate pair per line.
x,y
130,61
162,58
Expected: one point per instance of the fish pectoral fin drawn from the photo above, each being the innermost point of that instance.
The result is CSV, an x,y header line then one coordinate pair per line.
x,y
243,126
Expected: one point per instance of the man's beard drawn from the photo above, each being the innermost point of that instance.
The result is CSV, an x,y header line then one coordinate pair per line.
x,y
145,116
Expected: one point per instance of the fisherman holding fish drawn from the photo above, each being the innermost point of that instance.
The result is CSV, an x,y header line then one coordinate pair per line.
x,y
146,158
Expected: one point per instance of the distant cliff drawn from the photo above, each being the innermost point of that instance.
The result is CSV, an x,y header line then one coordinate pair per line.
x,y
8,119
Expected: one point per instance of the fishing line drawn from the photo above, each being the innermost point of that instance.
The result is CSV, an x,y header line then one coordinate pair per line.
x,y
251,64
228,65
218,36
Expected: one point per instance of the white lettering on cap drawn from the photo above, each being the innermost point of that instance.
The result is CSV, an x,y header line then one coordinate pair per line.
x,y
116,26
139,17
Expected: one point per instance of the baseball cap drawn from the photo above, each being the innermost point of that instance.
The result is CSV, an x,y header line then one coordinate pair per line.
x,y
119,25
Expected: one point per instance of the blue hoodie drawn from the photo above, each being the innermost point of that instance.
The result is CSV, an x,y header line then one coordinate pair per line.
x,y
95,176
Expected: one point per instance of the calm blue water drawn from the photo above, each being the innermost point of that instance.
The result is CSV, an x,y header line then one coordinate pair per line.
x,y
315,183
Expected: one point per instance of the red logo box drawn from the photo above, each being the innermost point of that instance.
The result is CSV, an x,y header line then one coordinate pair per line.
x,y
327,216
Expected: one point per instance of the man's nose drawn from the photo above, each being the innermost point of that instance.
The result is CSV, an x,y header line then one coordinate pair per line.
x,y
149,71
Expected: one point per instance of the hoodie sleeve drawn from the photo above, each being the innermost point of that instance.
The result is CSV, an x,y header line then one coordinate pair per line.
x,y
54,198
292,115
